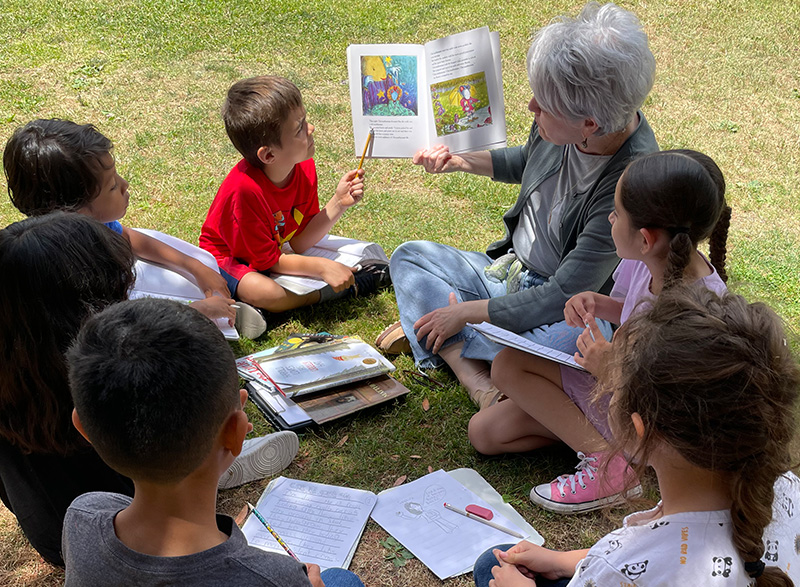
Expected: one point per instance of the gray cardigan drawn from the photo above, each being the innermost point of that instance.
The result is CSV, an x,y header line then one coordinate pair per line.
x,y
588,254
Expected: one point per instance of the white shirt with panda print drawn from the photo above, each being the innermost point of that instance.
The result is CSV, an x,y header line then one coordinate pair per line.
x,y
691,548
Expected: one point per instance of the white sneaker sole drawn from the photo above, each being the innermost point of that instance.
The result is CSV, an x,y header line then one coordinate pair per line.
x,y
587,506
250,322
262,457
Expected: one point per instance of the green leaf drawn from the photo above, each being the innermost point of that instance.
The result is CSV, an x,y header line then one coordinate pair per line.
x,y
392,541
399,562
406,554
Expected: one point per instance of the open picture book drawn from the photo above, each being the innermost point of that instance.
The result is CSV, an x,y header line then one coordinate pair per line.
x,y
448,91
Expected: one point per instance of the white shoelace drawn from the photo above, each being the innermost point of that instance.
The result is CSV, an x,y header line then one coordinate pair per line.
x,y
583,467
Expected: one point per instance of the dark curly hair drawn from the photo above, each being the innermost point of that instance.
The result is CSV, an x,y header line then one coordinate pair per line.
x,y
713,378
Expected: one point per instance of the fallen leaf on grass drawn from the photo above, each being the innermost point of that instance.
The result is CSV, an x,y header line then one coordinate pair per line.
x,y
394,457
426,405
414,457
430,469
400,480
340,444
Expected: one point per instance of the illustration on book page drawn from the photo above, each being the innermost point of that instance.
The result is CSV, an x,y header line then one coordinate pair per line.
x,y
461,104
389,85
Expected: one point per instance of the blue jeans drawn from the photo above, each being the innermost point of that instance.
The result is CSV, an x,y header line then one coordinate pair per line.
x,y
340,578
482,572
424,274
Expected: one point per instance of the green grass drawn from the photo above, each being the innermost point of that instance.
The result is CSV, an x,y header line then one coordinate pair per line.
x,y
152,74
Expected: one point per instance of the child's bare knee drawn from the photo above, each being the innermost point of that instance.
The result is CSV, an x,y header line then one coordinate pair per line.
x,y
479,432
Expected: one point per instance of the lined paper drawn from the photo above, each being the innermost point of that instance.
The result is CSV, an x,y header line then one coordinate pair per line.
x,y
322,524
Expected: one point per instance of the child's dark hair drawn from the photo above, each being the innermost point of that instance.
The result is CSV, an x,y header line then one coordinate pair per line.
x,y
57,269
682,192
54,165
713,378
153,381
254,113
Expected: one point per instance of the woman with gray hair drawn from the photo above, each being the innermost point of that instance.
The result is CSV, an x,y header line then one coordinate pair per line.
x,y
589,76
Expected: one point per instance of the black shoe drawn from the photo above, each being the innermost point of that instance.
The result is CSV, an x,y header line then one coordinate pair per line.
x,y
374,275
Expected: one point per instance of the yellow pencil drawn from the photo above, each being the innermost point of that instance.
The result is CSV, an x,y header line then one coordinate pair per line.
x,y
370,136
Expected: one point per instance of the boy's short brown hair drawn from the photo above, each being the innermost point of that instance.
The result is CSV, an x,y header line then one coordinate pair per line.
x,y
255,110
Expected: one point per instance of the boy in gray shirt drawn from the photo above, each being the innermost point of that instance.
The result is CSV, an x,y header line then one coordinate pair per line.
x,y
156,392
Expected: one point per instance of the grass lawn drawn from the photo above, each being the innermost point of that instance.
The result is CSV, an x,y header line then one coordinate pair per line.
x,y
152,75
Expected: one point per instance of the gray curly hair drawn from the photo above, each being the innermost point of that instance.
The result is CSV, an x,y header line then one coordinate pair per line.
x,y
597,65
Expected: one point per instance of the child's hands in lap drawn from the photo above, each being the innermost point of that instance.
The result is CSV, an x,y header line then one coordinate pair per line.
x,y
336,275
530,558
510,575
592,346
216,307
350,189
210,281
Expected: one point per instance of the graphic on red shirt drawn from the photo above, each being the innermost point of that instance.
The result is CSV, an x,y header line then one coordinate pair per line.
x,y
250,218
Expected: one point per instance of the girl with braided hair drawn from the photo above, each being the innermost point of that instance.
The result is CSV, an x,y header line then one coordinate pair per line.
x,y
665,203
703,389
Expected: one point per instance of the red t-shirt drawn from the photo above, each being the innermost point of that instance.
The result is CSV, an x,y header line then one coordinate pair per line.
x,y
250,218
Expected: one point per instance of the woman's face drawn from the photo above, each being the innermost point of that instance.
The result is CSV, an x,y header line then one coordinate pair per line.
x,y
555,129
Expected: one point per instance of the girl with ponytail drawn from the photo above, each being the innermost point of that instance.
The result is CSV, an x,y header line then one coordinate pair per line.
x,y
703,389
666,204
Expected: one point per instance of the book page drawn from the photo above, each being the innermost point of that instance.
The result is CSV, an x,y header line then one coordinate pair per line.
x,y
322,524
444,541
466,88
515,341
347,251
388,94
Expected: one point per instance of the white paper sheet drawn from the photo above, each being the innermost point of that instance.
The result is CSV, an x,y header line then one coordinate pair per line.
x,y
322,524
515,341
444,541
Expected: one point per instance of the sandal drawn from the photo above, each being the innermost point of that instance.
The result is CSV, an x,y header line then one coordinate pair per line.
x,y
393,340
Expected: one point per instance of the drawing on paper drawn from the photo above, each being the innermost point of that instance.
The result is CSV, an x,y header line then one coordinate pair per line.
x,y
389,85
414,510
461,104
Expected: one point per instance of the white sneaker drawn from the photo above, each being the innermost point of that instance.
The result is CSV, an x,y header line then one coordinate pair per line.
x,y
261,457
250,321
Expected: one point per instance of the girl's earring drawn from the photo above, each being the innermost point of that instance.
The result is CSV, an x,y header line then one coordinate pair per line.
x,y
585,142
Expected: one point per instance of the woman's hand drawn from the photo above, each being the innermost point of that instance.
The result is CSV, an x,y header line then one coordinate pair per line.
x,y
438,159
443,323
593,347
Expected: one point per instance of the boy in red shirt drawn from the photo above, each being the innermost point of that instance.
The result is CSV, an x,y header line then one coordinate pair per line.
x,y
270,198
